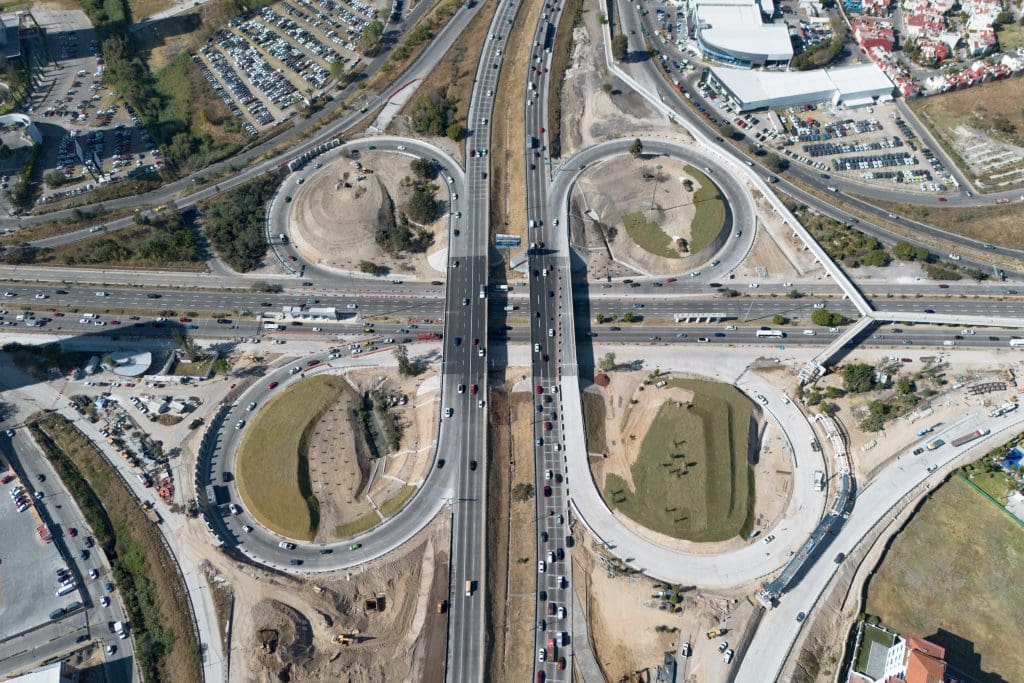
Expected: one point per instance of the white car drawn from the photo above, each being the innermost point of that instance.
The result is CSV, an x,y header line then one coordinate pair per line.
x,y
769,538
401,148
93,574
104,601
448,412
246,528
541,566
10,294
351,306
42,296
102,293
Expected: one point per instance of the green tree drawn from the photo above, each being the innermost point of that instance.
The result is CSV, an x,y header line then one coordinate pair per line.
x,y
369,42
421,207
522,492
369,267
902,251
636,149
822,317
406,367
728,293
424,169
337,70
628,317
779,319
858,378
600,318
794,294
455,131
775,162
607,362
620,47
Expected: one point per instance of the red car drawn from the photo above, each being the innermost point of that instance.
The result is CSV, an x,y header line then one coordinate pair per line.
x,y
472,390
670,280
184,320
542,130
6,479
73,532
547,491
291,258
271,385
114,322
547,426
58,315
540,390
313,362
942,199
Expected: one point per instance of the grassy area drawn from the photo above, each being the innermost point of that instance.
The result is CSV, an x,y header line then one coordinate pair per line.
x,y
997,224
952,576
235,222
593,418
989,108
147,578
561,60
872,636
272,465
397,501
710,212
357,526
649,236
1010,36
692,477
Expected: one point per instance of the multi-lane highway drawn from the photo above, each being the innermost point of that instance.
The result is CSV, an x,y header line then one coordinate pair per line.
x,y
553,353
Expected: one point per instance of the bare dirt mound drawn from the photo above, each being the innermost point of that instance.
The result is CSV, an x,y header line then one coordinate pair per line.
x,y
284,638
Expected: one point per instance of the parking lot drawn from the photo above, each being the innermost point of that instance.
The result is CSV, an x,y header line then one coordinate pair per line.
x,y
28,565
268,60
89,136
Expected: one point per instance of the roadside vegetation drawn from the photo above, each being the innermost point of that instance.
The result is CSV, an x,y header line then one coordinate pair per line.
x,y
593,419
166,242
987,473
957,544
434,113
692,477
842,243
561,60
235,222
146,575
272,469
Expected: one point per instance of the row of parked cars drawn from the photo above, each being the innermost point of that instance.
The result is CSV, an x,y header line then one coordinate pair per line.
x,y
271,41
238,88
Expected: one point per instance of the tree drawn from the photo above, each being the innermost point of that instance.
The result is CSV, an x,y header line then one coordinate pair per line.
x,y
628,317
522,492
369,42
778,319
794,294
822,317
607,362
337,70
424,169
369,267
775,162
725,130
903,251
858,378
620,47
455,131
728,293
636,149
601,318
422,208
406,367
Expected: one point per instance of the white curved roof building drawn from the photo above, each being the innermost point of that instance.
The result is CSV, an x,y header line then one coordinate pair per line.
x,y
734,32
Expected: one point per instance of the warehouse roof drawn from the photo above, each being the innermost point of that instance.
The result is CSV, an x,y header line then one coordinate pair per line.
x,y
756,86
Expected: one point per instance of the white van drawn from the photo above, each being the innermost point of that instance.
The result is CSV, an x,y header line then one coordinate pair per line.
x,y
949,342
809,333
64,590
89,316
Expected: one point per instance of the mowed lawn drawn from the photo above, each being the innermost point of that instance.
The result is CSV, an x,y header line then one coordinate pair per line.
x,y
648,236
692,477
709,216
267,467
954,576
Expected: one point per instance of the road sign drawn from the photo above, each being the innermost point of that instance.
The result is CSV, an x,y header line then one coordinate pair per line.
x,y
507,241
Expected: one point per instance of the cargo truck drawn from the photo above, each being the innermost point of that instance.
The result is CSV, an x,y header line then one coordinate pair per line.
x,y
967,438
469,588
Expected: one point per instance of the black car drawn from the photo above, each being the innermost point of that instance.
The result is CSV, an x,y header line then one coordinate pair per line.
x,y
440,463
326,551
64,291
458,341
294,562
153,295
472,465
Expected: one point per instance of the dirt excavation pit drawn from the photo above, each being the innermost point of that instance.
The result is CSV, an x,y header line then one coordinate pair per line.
x,y
388,607
357,482
643,211
336,214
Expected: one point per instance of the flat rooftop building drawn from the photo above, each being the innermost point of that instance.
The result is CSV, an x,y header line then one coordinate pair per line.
x,y
850,86
734,32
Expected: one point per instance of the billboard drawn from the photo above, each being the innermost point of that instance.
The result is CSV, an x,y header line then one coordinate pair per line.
x,y
507,241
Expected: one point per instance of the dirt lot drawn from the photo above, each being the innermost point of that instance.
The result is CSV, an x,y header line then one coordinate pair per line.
x,y
623,616
514,533
336,214
283,625
612,189
870,451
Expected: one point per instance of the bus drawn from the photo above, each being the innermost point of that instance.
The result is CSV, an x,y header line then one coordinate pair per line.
x,y
772,334
1017,343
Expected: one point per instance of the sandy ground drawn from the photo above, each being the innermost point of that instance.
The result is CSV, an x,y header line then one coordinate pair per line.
x,y
335,214
625,428
284,625
623,614
776,252
611,189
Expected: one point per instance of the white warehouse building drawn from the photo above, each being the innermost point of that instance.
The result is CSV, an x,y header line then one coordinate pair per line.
x,y
848,86
734,32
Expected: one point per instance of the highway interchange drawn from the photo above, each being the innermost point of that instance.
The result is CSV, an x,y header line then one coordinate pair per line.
x,y
473,334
